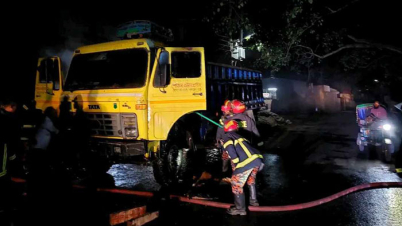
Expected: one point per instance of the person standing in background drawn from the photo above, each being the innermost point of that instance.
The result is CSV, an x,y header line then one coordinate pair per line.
x,y
9,144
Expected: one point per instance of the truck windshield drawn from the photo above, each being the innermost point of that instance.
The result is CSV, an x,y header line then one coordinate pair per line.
x,y
108,70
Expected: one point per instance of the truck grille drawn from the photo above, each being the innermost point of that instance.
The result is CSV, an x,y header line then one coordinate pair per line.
x,y
105,124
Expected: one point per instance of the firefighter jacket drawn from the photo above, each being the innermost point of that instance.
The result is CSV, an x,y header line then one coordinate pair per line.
x,y
242,154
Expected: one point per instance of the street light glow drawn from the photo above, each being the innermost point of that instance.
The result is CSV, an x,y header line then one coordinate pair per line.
x,y
375,80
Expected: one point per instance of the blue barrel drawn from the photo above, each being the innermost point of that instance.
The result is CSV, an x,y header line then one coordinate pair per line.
x,y
209,71
229,71
220,94
213,100
216,72
222,73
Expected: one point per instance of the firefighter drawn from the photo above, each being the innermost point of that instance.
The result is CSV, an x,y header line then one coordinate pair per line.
x,y
235,110
40,157
247,124
226,114
248,161
9,143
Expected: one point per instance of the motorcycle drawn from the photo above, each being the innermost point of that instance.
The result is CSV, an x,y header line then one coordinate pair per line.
x,y
375,132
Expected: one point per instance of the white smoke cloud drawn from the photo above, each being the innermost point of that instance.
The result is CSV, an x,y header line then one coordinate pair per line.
x,y
65,55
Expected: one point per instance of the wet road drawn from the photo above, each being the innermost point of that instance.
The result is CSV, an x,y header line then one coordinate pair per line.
x,y
315,157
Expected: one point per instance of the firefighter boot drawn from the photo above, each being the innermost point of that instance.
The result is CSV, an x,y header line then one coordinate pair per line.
x,y
253,195
240,206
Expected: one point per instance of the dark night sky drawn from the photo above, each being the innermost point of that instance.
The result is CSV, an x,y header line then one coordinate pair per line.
x,y
34,30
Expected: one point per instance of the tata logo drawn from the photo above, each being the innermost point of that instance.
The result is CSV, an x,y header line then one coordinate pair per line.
x,y
94,107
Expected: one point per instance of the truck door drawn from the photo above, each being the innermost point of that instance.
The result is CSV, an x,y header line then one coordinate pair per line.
x,y
48,85
177,87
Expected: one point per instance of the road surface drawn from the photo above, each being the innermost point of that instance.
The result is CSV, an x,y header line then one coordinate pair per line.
x,y
316,157
313,158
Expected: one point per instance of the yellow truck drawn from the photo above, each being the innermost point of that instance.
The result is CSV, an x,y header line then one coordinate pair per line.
x,y
141,97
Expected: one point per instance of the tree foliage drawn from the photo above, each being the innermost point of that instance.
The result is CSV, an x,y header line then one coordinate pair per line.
x,y
300,34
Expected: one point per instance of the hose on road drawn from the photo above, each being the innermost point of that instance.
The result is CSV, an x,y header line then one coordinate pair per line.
x,y
299,206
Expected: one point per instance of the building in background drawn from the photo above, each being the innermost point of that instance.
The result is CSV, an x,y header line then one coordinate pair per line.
x,y
284,95
287,95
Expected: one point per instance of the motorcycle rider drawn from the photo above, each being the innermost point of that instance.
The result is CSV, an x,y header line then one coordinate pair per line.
x,y
378,111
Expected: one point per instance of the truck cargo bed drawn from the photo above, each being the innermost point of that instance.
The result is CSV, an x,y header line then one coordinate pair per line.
x,y
229,82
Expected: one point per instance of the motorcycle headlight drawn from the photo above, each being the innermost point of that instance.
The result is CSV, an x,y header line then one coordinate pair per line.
x,y
129,123
387,127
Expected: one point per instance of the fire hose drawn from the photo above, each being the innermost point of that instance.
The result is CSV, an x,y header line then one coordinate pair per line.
x,y
299,206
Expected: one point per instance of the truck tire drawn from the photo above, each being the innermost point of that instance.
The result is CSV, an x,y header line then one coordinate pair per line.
x,y
173,165
159,167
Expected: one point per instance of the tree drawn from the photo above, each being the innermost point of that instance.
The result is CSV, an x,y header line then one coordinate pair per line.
x,y
299,34
307,36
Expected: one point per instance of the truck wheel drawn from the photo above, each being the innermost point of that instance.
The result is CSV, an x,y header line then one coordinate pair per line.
x,y
173,165
159,167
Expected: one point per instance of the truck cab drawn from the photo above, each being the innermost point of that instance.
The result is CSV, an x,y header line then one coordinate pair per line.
x,y
126,93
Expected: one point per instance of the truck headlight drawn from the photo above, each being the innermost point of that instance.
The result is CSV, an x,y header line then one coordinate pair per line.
x,y
130,132
387,127
129,123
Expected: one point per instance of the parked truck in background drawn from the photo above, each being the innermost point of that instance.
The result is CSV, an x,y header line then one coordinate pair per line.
x,y
141,96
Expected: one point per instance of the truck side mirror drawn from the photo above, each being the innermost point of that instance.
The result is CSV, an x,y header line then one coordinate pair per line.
x,y
162,76
164,58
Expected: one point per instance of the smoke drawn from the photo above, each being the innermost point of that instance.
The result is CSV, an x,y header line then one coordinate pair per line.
x,y
74,33
65,53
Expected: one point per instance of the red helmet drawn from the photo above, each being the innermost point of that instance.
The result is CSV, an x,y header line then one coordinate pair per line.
x,y
238,106
231,125
227,106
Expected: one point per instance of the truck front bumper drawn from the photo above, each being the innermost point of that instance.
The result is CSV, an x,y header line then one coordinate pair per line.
x,y
114,148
